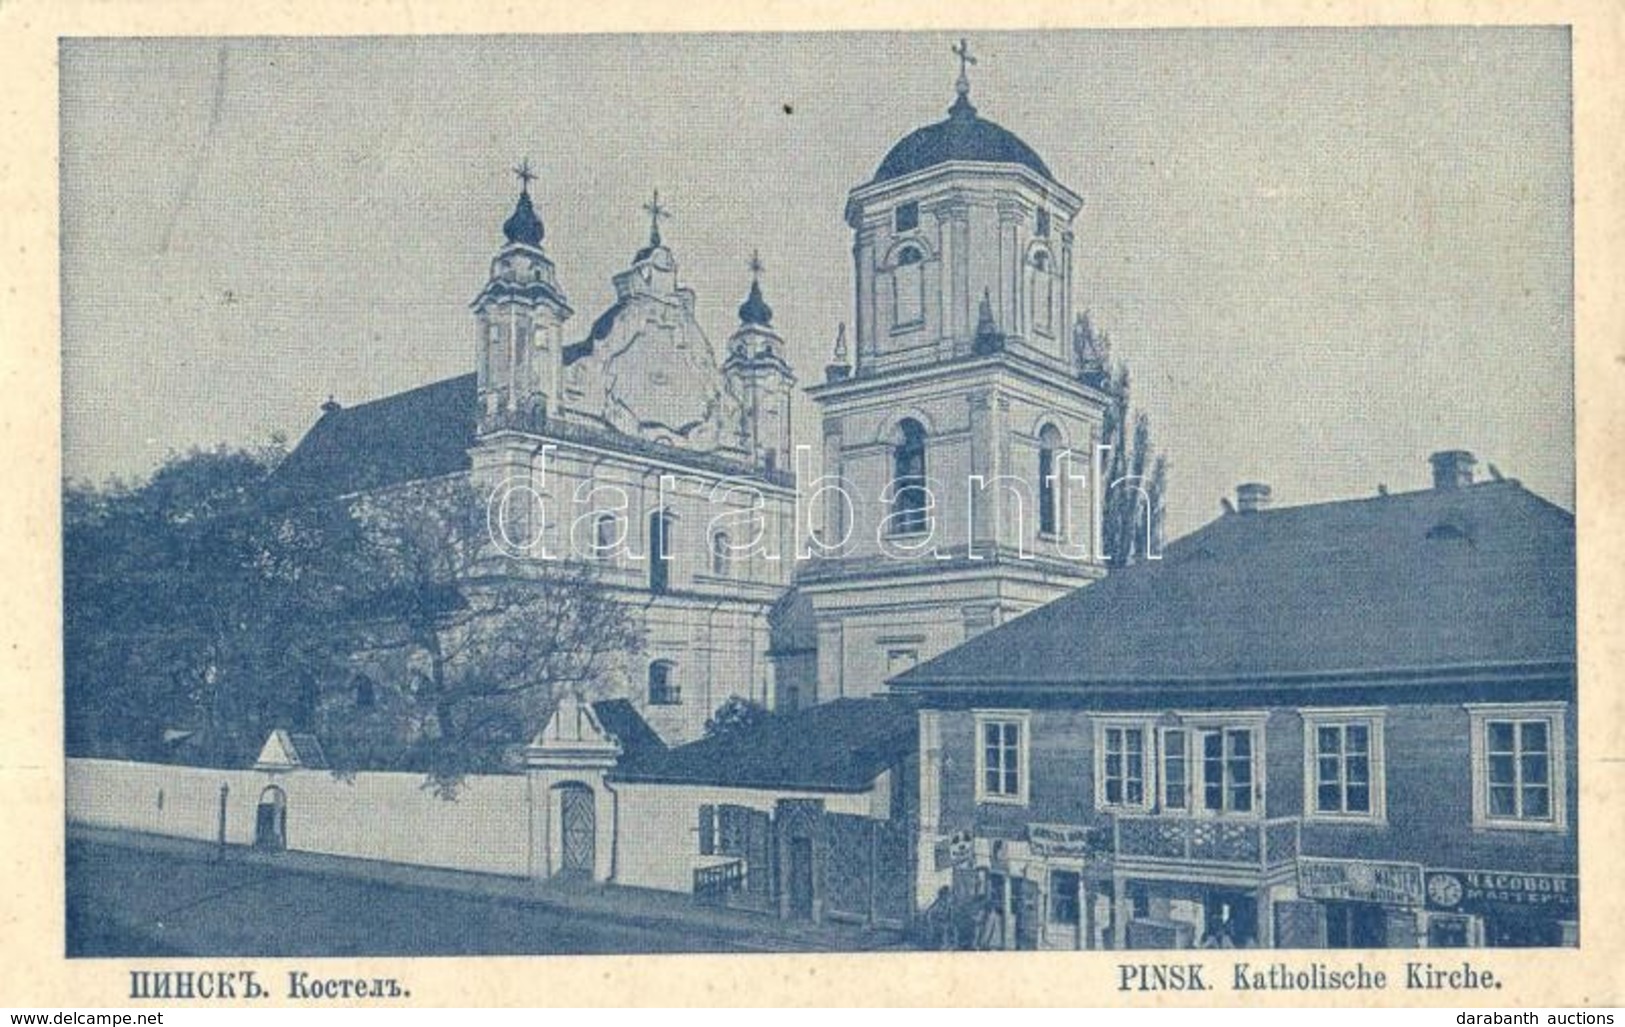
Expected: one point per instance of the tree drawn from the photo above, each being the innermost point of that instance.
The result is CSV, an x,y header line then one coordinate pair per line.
x,y
486,643
1136,476
190,605
736,716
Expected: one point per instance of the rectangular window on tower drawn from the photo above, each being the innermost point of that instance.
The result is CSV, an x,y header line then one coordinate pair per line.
x,y
907,216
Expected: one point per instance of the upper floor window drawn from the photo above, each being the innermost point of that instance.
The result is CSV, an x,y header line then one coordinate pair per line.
x,y
659,551
603,536
910,499
1123,777
1049,492
721,547
907,216
908,284
1214,767
1001,757
1042,228
1343,764
1519,771
663,691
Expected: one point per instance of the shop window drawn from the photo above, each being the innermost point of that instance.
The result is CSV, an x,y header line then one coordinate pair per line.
x,y
1001,757
1343,764
1063,897
1519,776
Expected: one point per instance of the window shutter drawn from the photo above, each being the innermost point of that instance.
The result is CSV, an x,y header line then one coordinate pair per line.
x,y
708,830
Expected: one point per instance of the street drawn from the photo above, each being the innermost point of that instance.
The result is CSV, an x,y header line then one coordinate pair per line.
x,y
134,902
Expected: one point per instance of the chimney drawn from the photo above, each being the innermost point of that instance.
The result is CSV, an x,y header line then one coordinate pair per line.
x,y
1252,497
1452,468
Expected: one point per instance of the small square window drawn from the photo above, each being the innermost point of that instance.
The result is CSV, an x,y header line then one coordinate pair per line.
x,y
907,216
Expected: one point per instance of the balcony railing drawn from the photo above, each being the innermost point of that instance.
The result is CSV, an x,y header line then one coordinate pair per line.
x,y
1207,841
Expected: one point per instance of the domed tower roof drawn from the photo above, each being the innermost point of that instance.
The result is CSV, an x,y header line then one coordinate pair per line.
x,y
964,135
524,225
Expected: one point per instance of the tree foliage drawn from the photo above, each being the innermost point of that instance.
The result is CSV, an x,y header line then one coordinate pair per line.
x,y
1136,476
191,608
485,644
737,715
198,604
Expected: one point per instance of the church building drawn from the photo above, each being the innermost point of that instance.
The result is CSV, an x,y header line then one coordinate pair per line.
x,y
956,436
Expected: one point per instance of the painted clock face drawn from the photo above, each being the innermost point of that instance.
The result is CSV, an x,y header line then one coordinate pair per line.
x,y
1444,889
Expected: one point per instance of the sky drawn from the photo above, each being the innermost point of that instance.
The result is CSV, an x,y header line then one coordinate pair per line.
x,y
1323,253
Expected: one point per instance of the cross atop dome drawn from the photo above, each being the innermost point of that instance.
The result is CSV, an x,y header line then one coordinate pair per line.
x,y
656,212
962,51
962,106
525,175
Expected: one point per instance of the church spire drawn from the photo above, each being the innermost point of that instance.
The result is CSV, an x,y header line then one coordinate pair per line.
x,y
524,225
755,311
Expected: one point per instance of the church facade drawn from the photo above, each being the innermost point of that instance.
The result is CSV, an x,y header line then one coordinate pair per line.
x,y
952,479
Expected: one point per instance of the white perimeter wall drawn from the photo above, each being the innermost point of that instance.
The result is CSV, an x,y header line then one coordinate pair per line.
x,y
378,816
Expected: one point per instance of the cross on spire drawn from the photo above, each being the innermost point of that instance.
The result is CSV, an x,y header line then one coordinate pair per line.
x,y
962,51
755,265
656,212
526,176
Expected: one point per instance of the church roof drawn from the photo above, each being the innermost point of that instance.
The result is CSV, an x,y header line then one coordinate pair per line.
x,y
1469,581
963,136
421,433
839,746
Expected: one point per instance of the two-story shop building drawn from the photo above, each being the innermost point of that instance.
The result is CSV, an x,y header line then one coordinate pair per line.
x,y
1346,724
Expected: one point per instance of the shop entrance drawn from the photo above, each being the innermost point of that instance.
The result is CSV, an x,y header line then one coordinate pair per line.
x,y
1229,920
1356,925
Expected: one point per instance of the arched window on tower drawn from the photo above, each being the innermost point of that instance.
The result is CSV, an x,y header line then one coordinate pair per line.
x,y
663,689
659,551
910,500
1049,486
908,285
603,537
1041,290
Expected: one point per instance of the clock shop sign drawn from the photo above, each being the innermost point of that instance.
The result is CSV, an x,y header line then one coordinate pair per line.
x,y
1360,880
1496,891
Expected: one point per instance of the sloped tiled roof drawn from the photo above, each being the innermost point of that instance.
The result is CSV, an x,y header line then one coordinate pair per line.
x,y
421,433
839,746
1480,576
621,719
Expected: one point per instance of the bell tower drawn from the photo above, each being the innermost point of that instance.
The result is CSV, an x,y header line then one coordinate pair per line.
x,y
960,433
519,319
760,377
